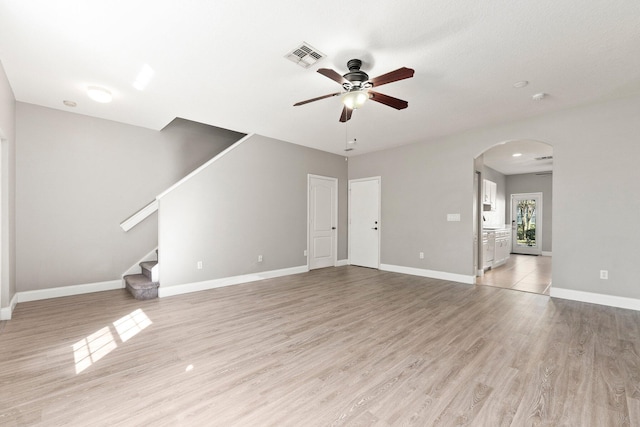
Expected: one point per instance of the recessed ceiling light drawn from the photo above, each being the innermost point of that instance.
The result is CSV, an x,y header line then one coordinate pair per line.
x,y
516,155
520,84
539,96
69,103
99,94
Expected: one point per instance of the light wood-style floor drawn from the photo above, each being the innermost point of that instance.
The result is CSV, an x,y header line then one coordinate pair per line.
x,y
337,346
522,273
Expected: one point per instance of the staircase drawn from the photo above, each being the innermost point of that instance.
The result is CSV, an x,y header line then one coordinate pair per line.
x,y
144,286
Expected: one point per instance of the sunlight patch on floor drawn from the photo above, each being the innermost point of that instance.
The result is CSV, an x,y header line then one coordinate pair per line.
x,y
131,324
94,347
89,350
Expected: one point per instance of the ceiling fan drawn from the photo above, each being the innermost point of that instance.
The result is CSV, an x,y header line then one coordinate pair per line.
x,y
357,86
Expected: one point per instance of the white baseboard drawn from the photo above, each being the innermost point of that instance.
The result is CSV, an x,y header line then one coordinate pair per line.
x,y
546,253
593,298
65,291
5,313
342,262
167,291
462,278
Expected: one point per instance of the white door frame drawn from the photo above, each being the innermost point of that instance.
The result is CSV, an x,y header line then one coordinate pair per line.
x,y
514,235
478,254
379,215
4,284
334,218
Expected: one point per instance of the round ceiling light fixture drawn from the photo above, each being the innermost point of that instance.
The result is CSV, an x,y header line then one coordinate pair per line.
x,y
69,103
521,83
99,94
516,155
539,96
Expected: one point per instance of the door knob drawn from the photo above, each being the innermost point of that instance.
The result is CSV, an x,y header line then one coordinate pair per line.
x,y
374,228
333,228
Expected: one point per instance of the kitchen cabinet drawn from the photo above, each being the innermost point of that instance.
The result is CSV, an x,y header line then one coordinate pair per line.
x,y
489,193
496,247
488,248
502,247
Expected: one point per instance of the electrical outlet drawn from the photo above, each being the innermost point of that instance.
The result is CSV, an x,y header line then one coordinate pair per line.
x,y
259,258
421,255
199,265
604,274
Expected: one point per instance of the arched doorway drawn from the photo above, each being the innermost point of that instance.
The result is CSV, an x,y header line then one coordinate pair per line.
x,y
513,204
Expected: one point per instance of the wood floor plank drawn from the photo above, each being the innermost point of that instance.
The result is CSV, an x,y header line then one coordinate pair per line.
x,y
336,346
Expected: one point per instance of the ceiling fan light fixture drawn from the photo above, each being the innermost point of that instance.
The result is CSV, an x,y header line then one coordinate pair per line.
x,y
355,98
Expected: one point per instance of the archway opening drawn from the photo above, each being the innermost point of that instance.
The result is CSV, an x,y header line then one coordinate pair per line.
x,y
513,205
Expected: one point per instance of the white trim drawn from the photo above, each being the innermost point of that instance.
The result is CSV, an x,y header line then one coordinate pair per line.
x,y
443,275
342,262
5,313
546,253
65,291
204,166
167,291
3,177
139,216
593,298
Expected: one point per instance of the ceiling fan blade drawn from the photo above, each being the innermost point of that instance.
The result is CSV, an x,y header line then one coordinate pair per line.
x,y
396,103
346,114
316,99
393,76
333,75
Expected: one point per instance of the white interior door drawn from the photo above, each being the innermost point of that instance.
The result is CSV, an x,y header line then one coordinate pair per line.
x,y
526,223
323,217
364,222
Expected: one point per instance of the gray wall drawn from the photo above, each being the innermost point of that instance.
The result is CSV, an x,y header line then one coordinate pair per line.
x,y
536,183
498,217
7,191
421,184
78,177
253,201
596,180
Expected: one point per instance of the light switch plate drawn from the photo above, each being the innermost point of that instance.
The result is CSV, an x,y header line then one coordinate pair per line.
x,y
453,217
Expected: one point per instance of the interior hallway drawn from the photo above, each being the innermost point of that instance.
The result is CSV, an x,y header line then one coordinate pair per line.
x,y
526,273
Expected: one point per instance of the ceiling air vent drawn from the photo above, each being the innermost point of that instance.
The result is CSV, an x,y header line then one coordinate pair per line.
x,y
544,158
304,55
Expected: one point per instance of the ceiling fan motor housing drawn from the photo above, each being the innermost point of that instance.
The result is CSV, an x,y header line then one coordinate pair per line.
x,y
355,75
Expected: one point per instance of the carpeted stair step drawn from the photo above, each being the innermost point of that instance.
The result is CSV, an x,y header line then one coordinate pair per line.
x,y
147,268
141,287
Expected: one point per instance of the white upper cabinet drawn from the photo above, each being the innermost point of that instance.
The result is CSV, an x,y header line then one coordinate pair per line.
x,y
489,192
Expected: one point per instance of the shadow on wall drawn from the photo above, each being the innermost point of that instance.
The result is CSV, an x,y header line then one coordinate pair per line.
x,y
182,134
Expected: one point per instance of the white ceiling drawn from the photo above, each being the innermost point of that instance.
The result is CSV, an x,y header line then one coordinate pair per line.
x,y
222,62
501,157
